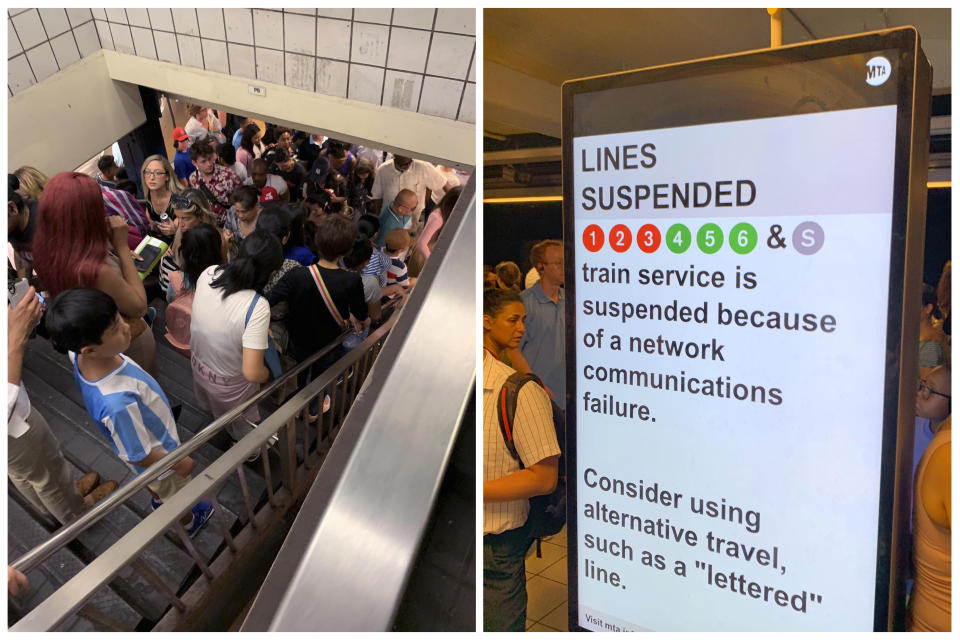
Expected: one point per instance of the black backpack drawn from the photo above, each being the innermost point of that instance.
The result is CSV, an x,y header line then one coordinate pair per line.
x,y
548,513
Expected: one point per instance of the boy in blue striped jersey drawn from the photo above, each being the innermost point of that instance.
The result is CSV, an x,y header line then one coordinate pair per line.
x,y
124,400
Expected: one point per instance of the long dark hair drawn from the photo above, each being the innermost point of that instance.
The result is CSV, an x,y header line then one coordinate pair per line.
x,y
246,138
275,218
260,255
199,249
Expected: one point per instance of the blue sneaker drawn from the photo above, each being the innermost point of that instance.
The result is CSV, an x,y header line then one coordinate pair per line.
x,y
201,513
155,504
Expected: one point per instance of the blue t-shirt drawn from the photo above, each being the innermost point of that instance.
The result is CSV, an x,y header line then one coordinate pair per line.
x,y
543,341
183,165
131,410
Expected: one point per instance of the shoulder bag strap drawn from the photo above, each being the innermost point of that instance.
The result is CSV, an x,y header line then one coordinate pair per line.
x,y
253,303
327,298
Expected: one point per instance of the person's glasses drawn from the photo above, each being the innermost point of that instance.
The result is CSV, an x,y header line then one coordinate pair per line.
x,y
154,174
924,389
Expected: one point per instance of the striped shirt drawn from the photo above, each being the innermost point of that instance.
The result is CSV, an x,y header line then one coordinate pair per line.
x,y
131,410
378,265
397,273
533,435
120,203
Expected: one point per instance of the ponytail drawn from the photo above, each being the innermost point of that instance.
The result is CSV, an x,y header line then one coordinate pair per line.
x,y
260,255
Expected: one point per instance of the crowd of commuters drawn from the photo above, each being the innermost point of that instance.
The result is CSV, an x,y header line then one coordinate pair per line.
x,y
270,245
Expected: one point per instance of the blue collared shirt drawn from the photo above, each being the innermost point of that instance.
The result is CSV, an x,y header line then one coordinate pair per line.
x,y
544,342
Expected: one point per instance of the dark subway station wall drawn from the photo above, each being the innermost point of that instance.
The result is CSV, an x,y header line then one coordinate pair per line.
x,y
509,230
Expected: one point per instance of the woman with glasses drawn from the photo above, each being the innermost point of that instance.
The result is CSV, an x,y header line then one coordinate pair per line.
x,y
930,602
190,208
159,185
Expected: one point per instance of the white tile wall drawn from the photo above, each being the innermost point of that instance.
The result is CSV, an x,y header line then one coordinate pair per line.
x,y
416,59
117,15
333,39
42,61
401,90
122,38
269,65
408,49
211,24
87,39
13,42
366,83
79,16
468,105
416,18
332,77
457,21
167,46
143,42
380,16
161,19
215,55
450,55
65,50
268,28
54,21
241,60
370,44
185,22
19,75
103,32
191,53
300,34
441,97
29,28
138,18
300,71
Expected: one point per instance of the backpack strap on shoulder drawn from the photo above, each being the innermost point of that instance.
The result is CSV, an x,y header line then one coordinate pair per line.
x,y
507,408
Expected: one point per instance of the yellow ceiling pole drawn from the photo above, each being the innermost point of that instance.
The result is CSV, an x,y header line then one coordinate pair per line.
x,y
776,28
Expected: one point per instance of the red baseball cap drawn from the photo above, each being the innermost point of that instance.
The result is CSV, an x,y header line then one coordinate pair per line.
x,y
269,194
180,134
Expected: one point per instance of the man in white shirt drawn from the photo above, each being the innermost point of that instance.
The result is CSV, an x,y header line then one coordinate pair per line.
x,y
260,179
406,173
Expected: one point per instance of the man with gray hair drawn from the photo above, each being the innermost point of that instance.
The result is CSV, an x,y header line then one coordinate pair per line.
x,y
397,214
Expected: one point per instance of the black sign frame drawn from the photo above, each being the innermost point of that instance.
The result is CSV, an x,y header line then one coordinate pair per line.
x,y
913,95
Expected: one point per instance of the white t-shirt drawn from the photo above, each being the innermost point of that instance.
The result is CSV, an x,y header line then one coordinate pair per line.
x,y
217,333
418,177
274,181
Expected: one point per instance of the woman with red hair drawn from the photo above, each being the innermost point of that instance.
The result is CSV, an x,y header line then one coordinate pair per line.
x,y
78,245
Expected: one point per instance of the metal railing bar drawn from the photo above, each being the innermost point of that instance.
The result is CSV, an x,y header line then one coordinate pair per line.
x,y
247,502
148,574
68,532
71,596
192,550
224,526
267,476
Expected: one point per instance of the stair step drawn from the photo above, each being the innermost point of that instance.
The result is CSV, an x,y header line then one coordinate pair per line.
x,y
24,533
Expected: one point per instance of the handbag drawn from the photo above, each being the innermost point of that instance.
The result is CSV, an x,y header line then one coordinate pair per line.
x,y
271,357
354,339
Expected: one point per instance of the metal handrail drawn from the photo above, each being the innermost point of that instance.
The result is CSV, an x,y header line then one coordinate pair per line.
x,y
65,535
75,592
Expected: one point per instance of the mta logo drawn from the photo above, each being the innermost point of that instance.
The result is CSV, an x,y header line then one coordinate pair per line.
x,y
878,71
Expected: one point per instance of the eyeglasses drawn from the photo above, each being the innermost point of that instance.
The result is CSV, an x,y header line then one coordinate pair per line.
x,y
155,174
924,389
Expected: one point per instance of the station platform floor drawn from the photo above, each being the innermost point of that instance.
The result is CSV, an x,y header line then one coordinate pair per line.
x,y
547,585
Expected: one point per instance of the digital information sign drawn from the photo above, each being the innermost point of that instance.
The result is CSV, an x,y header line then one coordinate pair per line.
x,y
730,262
